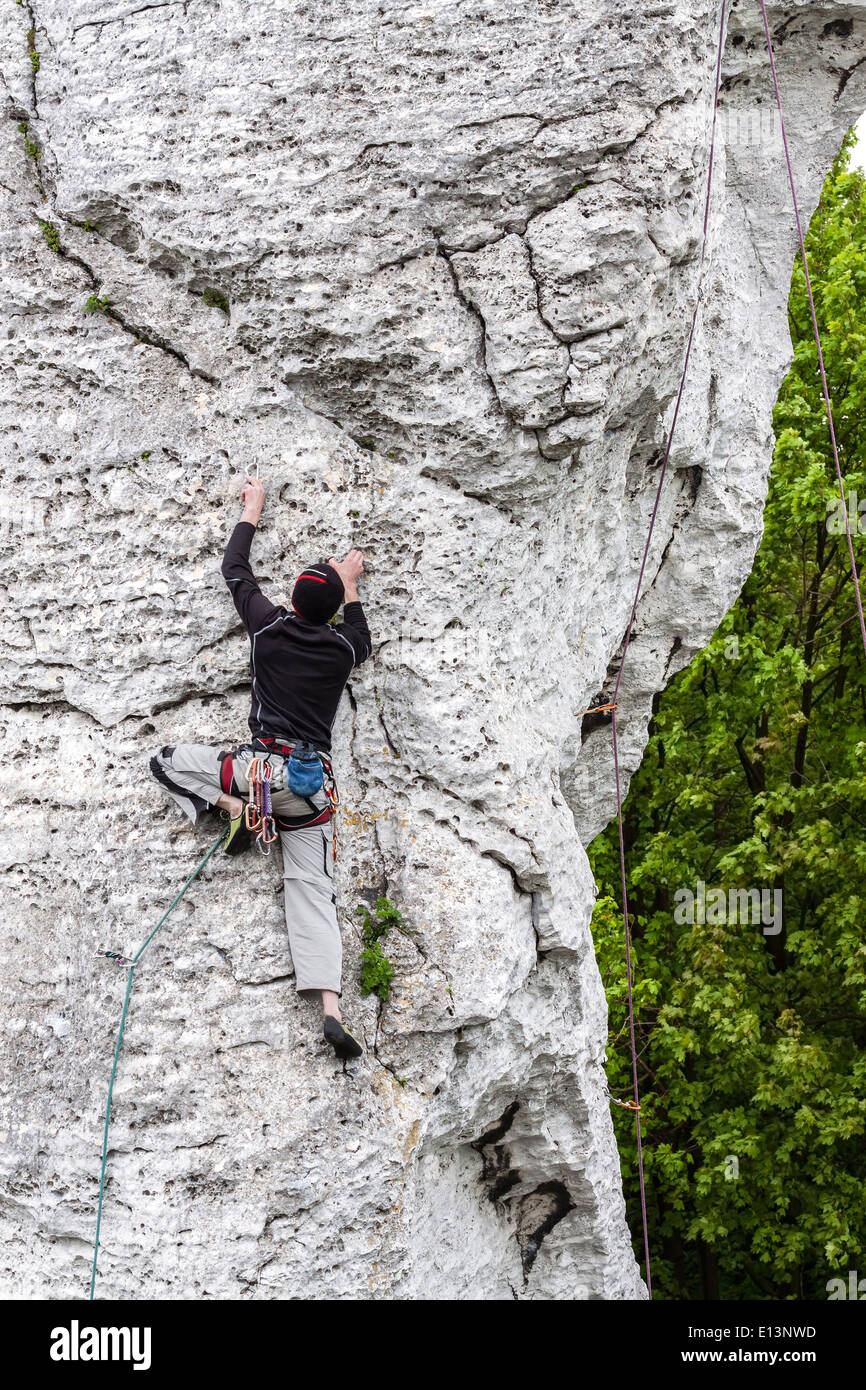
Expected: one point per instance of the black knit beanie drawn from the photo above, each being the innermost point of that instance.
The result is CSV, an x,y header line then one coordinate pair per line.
x,y
317,594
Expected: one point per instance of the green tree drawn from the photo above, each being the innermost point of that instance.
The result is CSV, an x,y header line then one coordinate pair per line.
x,y
751,1041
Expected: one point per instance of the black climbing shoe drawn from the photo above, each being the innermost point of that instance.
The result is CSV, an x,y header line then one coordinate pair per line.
x,y
341,1039
239,838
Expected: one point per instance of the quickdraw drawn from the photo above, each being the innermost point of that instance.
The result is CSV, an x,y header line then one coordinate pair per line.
x,y
626,1104
115,956
258,815
333,801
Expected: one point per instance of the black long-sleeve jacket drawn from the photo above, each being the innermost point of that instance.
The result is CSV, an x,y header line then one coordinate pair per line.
x,y
299,669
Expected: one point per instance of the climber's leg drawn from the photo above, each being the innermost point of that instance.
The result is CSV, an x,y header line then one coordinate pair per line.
x,y
232,804
200,778
311,912
314,934
331,1005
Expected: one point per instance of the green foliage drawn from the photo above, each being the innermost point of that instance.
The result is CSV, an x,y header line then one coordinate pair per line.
x,y
753,1047
32,50
214,299
30,146
51,235
386,917
94,305
377,972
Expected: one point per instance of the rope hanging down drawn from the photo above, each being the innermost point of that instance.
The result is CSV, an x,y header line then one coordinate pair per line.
x,y
132,964
840,481
635,1105
824,387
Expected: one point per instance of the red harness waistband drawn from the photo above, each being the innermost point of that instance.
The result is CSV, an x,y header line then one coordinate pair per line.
x,y
285,750
300,822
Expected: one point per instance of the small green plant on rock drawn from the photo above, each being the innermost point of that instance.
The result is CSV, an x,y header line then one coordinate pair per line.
x,y
377,972
51,235
215,299
94,305
33,51
30,146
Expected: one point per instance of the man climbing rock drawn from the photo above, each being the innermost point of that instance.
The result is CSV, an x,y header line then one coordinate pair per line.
x,y
281,783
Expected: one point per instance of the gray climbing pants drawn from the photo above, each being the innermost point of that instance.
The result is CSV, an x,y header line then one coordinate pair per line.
x,y
195,776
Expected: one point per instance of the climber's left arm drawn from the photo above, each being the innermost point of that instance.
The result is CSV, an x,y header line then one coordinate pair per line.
x,y
354,628
354,625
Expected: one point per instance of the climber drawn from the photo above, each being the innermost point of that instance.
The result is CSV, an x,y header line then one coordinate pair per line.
x,y
299,664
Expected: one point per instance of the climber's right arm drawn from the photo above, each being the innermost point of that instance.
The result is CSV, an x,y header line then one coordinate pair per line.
x,y
255,610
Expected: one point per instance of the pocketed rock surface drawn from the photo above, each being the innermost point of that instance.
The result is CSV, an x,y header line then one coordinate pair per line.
x,y
431,268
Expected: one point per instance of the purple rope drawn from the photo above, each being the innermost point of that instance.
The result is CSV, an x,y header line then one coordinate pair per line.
x,y
827,406
628,636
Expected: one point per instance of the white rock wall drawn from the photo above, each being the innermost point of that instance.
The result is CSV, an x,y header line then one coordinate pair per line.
x,y
459,246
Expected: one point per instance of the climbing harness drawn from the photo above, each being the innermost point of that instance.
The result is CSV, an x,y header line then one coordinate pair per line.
x,y
312,774
131,964
259,812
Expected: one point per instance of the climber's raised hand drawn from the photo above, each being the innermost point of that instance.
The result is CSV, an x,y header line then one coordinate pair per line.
x,y
253,499
350,571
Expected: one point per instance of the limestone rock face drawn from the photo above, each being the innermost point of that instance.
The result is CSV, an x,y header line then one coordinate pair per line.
x,y
431,268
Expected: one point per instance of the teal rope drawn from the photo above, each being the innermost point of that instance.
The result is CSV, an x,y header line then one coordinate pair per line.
x,y
136,958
